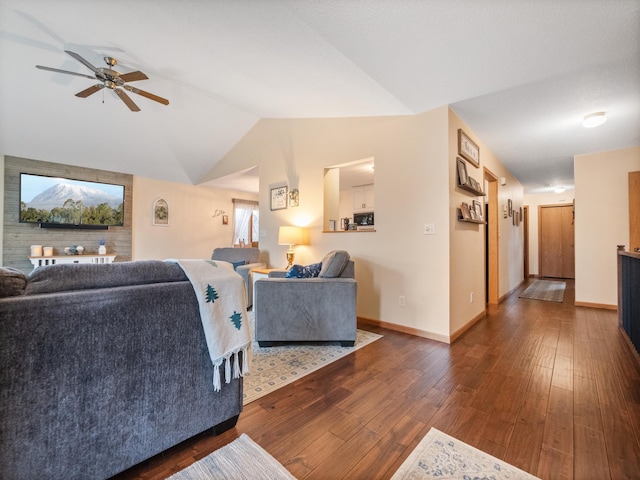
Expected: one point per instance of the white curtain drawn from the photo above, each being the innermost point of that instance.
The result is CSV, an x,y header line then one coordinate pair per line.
x,y
246,228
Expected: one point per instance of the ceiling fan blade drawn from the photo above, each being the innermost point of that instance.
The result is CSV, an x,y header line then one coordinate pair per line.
x,y
65,71
127,100
150,96
133,76
90,91
83,61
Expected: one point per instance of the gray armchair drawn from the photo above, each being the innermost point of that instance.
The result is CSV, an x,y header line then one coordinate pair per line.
x,y
251,257
317,309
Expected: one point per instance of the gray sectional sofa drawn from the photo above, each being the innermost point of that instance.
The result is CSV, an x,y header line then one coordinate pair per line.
x,y
103,366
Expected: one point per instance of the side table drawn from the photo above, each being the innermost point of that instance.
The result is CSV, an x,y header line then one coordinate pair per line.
x,y
256,275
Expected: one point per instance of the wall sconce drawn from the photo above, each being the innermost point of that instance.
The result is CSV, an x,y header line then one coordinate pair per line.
x,y
294,198
503,181
290,236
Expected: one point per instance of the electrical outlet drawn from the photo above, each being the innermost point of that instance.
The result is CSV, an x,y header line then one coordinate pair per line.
x,y
429,228
471,297
401,301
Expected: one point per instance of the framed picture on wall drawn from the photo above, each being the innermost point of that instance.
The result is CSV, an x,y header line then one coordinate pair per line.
x,y
160,213
279,198
477,206
463,178
468,149
464,210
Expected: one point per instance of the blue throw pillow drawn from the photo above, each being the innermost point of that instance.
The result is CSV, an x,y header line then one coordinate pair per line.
x,y
238,264
310,271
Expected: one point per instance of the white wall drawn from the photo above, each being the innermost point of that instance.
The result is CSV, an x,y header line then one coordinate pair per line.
x,y
534,201
195,219
411,189
414,185
602,221
468,240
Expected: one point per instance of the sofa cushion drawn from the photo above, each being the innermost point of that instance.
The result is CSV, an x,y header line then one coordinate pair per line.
x,y
333,263
309,271
86,276
12,282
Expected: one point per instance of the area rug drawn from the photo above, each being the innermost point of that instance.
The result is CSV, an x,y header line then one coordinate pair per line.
x,y
441,456
275,367
547,290
242,459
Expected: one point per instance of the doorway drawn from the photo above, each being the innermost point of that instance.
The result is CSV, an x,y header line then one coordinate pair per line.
x,y
556,241
492,276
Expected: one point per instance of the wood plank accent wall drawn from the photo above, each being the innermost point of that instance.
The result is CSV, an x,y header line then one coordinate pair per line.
x,y
18,237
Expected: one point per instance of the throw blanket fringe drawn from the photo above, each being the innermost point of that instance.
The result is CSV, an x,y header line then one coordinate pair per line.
x,y
222,302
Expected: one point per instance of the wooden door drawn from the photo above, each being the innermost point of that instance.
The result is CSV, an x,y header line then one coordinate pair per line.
x,y
556,231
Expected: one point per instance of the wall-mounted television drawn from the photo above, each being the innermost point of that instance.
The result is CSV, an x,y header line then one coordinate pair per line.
x,y
56,202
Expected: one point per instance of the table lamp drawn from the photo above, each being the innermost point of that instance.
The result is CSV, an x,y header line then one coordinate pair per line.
x,y
290,236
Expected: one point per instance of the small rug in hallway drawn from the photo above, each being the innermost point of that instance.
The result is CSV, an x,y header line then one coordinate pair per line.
x,y
275,367
242,459
441,456
547,290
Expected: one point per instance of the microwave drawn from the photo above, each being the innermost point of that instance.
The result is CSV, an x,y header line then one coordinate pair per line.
x,y
363,218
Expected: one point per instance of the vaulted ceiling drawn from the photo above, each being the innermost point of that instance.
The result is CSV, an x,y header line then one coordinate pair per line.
x,y
520,73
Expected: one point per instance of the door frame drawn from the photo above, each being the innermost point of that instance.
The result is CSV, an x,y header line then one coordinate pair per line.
x,y
525,211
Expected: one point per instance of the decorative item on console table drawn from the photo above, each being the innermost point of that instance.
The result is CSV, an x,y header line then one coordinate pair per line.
x,y
53,260
102,247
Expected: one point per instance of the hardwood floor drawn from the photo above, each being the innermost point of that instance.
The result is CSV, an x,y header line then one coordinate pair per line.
x,y
550,388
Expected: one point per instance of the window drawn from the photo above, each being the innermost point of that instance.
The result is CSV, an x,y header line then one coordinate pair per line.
x,y
245,222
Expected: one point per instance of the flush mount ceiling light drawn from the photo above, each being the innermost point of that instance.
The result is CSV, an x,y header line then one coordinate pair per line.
x,y
594,120
559,190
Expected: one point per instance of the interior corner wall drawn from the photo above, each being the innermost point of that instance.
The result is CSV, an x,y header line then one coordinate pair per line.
x,y
411,188
534,201
602,221
17,237
468,239
195,219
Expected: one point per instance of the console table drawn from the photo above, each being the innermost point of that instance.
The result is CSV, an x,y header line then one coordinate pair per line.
x,y
41,261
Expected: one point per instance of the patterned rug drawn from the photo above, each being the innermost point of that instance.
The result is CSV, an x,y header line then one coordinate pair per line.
x,y
242,459
275,367
547,290
443,457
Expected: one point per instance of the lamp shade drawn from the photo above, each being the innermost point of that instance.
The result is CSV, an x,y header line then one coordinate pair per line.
x,y
290,235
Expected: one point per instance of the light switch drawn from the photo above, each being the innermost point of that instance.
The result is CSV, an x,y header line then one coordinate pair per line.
x,y
429,228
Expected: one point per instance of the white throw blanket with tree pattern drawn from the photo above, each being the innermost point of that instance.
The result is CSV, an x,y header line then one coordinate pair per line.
x,y
222,300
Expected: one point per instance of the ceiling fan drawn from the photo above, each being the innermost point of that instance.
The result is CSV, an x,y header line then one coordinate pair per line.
x,y
111,79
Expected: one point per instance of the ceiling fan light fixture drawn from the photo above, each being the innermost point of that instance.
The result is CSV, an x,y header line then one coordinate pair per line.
x,y
594,120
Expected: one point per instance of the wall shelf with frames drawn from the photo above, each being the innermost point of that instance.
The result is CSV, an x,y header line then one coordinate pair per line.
x,y
469,212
